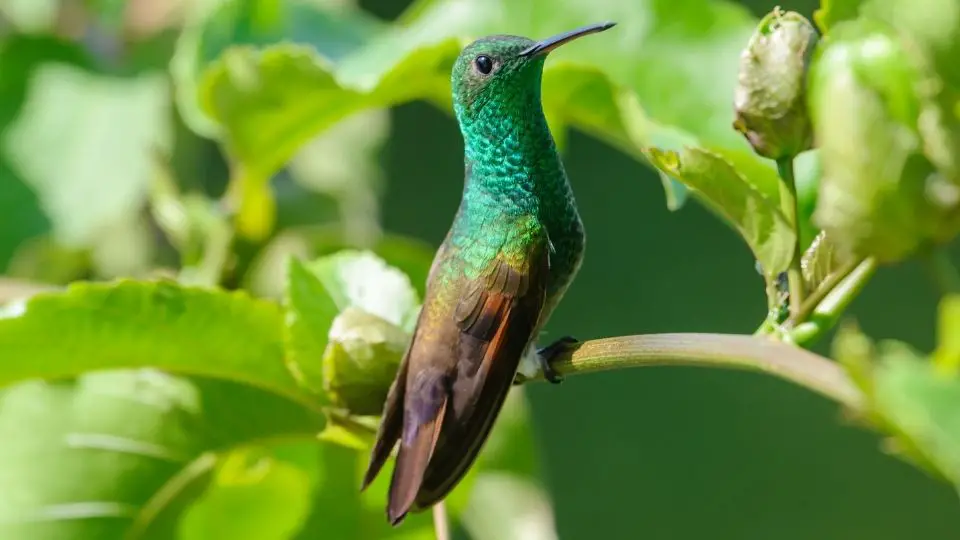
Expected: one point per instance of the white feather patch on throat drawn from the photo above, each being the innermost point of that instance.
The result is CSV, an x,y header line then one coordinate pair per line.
x,y
530,366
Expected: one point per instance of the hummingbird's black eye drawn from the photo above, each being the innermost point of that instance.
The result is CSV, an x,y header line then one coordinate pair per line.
x,y
484,64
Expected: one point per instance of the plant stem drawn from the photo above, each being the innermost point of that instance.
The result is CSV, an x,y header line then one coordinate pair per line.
x,y
788,204
441,523
864,270
743,352
821,312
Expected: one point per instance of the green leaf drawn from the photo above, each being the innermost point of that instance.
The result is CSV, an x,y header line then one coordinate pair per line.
x,y
832,12
925,408
30,16
121,454
126,324
254,495
820,261
310,314
103,131
144,441
914,399
270,101
744,207
331,28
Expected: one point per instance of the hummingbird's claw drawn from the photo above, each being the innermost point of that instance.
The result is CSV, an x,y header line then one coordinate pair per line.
x,y
551,352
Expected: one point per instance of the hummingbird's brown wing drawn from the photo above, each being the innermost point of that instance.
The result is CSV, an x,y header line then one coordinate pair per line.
x,y
497,320
460,365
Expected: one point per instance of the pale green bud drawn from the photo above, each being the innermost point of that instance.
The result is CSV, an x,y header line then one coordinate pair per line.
x,y
361,360
770,98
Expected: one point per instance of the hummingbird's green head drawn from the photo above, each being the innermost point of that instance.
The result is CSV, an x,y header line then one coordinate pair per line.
x,y
502,72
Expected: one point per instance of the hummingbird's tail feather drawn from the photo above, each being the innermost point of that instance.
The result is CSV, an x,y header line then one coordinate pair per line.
x,y
461,447
453,381
416,449
499,319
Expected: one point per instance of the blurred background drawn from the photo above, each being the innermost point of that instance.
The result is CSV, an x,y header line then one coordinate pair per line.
x,y
663,453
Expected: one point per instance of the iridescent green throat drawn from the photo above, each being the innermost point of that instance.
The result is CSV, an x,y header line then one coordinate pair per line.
x,y
512,164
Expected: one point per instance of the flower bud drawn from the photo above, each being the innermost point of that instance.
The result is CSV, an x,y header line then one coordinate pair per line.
x,y
879,195
361,360
770,98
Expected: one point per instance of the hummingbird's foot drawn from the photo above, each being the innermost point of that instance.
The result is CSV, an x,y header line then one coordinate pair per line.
x,y
547,355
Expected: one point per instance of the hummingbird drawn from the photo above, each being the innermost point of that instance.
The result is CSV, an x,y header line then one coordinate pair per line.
x,y
515,246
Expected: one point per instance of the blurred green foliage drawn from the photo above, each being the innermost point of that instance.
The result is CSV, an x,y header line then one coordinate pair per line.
x,y
257,174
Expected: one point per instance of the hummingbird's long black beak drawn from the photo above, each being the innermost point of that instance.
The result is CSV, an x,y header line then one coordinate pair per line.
x,y
544,46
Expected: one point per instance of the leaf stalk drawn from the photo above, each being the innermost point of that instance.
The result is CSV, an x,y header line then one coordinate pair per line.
x,y
788,205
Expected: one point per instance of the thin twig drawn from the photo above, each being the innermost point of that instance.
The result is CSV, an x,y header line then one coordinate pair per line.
x,y
441,523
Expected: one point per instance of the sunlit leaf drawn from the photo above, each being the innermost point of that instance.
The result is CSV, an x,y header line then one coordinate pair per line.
x,y
832,12
185,330
332,28
757,220
925,407
30,15
101,131
254,494
310,313
911,398
820,261
120,454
